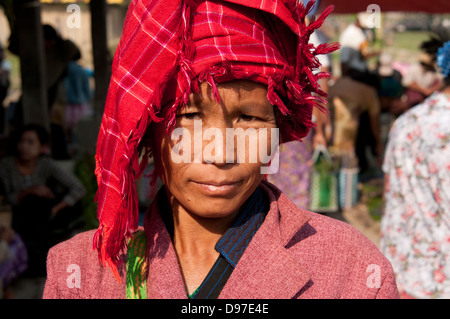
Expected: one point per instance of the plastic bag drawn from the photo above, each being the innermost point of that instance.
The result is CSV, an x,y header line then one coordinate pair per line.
x,y
324,183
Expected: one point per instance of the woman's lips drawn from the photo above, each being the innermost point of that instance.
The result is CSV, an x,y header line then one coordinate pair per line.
x,y
217,188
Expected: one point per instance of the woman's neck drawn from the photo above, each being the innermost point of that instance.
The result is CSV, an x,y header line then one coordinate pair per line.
x,y
196,235
194,240
26,167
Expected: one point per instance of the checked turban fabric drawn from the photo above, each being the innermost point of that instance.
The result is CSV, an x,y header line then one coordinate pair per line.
x,y
167,48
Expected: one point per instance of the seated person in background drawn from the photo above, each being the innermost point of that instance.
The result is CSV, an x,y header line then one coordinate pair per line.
x,y
43,195
422,80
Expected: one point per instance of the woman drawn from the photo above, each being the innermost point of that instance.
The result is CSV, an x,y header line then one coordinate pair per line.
x,y
415,226
43,195
186,72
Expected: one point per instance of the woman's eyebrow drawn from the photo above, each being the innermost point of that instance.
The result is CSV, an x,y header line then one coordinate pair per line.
x,y
191,105
252,103
195,101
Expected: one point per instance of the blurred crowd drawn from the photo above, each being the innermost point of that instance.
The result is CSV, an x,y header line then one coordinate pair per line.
x,y
386,121
38,186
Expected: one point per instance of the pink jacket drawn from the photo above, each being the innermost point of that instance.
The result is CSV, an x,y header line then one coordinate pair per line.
x,y
294,254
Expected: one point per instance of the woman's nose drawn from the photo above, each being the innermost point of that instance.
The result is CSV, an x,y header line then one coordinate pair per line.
x,y
216,149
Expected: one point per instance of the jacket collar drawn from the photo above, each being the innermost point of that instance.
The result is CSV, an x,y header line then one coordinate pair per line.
x,y
265,270
285,215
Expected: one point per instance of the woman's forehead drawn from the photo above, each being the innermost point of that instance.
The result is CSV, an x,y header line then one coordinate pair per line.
x,y
231,91
29,134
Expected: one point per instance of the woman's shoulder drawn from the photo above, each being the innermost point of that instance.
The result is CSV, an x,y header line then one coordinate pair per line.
x,y
340,233
77,244
337,255
76,251
8,169
305,224
47,160
74,271
7,161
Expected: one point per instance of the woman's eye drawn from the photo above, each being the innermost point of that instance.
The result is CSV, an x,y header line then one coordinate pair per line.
x,y
247,118
190,116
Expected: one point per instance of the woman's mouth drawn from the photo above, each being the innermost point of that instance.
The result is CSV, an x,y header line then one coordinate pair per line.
x,y
217,188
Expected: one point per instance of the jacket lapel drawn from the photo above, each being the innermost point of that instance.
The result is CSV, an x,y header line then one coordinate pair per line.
x,y
267,270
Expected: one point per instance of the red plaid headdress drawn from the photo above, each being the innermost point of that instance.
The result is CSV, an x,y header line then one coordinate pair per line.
x,y
166,49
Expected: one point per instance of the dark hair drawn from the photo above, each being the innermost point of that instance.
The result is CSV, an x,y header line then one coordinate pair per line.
x,y
438,37
15,136
431,46
447,81
50,33
41,132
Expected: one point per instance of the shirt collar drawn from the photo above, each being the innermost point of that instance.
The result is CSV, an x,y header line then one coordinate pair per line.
x,y
236,238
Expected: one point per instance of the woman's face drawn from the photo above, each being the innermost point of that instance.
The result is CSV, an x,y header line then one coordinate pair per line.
x,y
29,146
207,174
